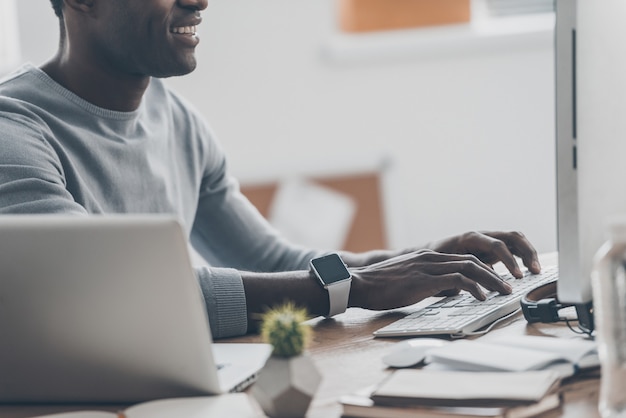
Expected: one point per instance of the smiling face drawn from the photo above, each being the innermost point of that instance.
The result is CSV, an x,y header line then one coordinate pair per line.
x,y
146,37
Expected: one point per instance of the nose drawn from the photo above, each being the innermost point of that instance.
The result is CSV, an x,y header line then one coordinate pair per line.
x,y
194,4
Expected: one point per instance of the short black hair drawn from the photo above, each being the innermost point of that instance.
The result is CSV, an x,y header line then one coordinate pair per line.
x,y
57,5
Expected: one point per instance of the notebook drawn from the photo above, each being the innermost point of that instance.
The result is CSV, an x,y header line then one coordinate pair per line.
x,y
107,309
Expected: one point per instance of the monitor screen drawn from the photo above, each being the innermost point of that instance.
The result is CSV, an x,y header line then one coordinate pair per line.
x,y
590,69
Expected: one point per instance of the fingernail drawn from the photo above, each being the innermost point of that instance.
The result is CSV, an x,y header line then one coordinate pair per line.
x,y
518,272
536,265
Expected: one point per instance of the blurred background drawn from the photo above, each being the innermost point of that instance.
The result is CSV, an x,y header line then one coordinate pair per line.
x,y
398,121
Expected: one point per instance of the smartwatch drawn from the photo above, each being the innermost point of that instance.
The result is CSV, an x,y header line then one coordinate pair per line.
x,y
335,277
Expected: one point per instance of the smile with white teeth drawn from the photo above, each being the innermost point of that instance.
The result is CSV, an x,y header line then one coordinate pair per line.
x,y
186,30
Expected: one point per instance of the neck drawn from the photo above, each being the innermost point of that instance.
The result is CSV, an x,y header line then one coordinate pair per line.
x,y
100,86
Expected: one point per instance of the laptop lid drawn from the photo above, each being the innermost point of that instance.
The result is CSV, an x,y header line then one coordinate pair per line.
x,y
104,309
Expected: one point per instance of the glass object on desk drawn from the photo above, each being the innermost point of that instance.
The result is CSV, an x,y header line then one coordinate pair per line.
x,y
609,295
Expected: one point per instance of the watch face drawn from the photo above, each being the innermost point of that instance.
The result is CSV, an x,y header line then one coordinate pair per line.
x,y
330,268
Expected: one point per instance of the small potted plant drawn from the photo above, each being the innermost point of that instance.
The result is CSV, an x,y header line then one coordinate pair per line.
x,y
289,380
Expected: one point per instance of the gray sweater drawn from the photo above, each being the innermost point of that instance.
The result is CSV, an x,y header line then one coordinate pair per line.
x,y
61,154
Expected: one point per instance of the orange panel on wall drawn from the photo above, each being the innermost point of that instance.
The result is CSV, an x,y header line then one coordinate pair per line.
x,y
367,231
373,15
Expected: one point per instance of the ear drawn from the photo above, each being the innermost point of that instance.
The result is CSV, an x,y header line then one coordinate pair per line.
x,y
81,6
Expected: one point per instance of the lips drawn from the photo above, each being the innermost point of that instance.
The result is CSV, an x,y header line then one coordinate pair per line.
x,y
187,26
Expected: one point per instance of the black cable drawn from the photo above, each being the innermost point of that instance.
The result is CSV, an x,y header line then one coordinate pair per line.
x,y
579,331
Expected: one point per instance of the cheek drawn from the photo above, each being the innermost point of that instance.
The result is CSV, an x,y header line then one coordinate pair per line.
x,y
141,40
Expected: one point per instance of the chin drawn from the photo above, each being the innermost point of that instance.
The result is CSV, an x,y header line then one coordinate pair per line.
x,y
172,74
182,68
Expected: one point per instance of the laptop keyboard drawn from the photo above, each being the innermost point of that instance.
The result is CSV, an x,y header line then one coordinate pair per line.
x,y
463,314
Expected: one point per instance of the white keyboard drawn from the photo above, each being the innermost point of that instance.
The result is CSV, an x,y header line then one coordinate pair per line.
x,y
463,314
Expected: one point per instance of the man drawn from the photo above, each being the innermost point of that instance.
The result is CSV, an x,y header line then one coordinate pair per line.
x,y
95,131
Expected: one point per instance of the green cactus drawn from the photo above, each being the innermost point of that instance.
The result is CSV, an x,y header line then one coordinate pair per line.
x,y
283,327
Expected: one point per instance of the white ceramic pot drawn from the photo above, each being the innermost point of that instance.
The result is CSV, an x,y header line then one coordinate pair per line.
x,y
286,386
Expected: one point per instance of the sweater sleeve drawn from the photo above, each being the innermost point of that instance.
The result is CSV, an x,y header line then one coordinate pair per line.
x,y
228,231
225,301
31,176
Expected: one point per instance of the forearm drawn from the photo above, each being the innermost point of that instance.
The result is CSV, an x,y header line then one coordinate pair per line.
x,y
267,290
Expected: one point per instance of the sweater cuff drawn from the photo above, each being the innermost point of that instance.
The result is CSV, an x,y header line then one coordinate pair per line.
x,y
225,301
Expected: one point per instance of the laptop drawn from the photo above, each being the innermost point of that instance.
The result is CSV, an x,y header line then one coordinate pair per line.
x,y
107,309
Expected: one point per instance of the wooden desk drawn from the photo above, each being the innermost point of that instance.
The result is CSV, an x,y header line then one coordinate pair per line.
x,y
349,358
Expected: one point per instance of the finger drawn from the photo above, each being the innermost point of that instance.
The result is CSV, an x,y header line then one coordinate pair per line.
x,y
496,246
436,257
521,247
470,266
459,281
475,270
449,292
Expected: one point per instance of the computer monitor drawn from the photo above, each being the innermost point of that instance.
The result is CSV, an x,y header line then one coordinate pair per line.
x,y
590,46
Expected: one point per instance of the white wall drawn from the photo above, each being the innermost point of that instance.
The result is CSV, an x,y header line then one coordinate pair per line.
x,y
9,46
468,131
